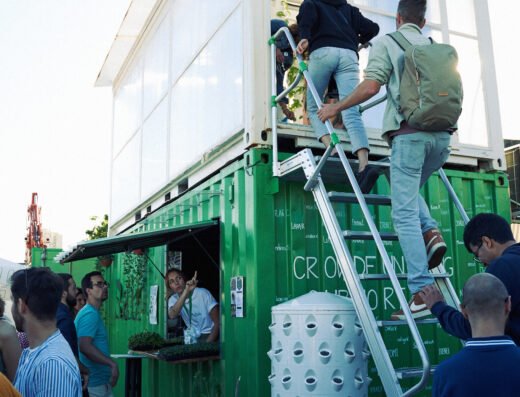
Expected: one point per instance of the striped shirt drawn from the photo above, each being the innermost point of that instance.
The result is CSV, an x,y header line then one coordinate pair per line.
x,y
49,370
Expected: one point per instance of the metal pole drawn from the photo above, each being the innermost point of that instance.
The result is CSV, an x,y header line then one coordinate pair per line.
x,y
274,110
454,196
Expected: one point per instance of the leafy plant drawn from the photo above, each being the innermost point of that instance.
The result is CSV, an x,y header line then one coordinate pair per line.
x,y
182,352
145,341
98,231
297,94
131,288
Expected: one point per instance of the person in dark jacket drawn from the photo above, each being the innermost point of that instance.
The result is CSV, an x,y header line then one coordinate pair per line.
x,y
489,238
488,363
284,60
332,30
65,322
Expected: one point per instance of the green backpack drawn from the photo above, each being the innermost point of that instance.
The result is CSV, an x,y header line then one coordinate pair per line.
x,y
431,87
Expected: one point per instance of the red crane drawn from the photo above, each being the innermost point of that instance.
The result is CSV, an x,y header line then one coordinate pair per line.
x,y
34,228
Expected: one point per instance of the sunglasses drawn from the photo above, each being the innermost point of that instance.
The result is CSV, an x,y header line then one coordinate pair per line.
x,y
100,284
476,253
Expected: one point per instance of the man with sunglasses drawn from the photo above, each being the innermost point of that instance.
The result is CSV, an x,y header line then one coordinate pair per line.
x,y
48,367
93,339
490,239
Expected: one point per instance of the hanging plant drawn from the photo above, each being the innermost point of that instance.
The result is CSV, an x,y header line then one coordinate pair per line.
x,y
132,286
105,260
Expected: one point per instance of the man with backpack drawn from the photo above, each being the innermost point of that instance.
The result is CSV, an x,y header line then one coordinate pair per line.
x,y
420,116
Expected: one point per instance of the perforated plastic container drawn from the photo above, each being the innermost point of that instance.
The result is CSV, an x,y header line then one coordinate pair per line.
x,y
318,348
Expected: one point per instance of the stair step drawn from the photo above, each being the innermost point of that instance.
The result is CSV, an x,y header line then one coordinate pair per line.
x,y
385,323
357,235
336,159
374,199
404,373
400,276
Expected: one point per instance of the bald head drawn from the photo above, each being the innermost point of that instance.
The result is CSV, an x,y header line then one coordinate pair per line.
x,y
484,297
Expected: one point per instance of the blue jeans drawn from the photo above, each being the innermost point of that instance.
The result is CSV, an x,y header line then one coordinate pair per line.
x,y
414,158
343,65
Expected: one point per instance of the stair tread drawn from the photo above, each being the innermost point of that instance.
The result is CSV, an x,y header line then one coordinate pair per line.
x,y
336,159
385,323
377,199
401,276
366,235
412,372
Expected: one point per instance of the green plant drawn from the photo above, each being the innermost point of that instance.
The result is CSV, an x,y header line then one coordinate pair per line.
x,y
105,260
182,352
145,341
98,231
296,95
131,287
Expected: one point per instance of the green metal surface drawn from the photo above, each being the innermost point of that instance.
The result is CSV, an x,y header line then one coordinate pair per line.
x,y
334,139
77,269
271,234
132,241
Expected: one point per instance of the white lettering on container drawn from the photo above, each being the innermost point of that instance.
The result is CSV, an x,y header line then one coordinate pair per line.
x,y
298,226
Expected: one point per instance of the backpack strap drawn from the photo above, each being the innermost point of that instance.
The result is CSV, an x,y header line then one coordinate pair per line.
x,y
401,41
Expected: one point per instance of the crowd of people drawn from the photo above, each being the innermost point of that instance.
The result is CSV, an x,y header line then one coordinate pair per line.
x,y
58,345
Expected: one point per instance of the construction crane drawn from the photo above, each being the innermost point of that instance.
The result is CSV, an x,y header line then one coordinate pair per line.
x,y
34,236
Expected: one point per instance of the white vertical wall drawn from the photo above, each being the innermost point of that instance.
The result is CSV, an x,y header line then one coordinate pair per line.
x,y
200,74
180,95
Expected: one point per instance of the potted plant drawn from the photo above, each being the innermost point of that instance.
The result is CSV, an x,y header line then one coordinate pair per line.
x,y
105,260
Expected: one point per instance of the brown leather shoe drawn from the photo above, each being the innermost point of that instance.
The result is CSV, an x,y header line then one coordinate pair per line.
x,y
417,307
435,247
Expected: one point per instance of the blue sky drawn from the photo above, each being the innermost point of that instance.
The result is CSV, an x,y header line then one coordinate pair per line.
x,y
55,128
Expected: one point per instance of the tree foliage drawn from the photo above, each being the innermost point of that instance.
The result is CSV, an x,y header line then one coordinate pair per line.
x,y
99,230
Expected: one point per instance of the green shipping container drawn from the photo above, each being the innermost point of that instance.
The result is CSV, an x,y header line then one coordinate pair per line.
x,y
269,231
77,269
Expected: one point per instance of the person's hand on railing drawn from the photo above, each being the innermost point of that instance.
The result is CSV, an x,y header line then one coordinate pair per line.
x,y
327,111
287,112
279,56
302,46
431,295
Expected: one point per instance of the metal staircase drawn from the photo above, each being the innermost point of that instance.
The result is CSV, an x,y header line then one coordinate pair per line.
x,y
313,169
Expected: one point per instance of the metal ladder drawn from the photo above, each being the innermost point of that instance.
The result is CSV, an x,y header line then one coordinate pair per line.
x,y
306,161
